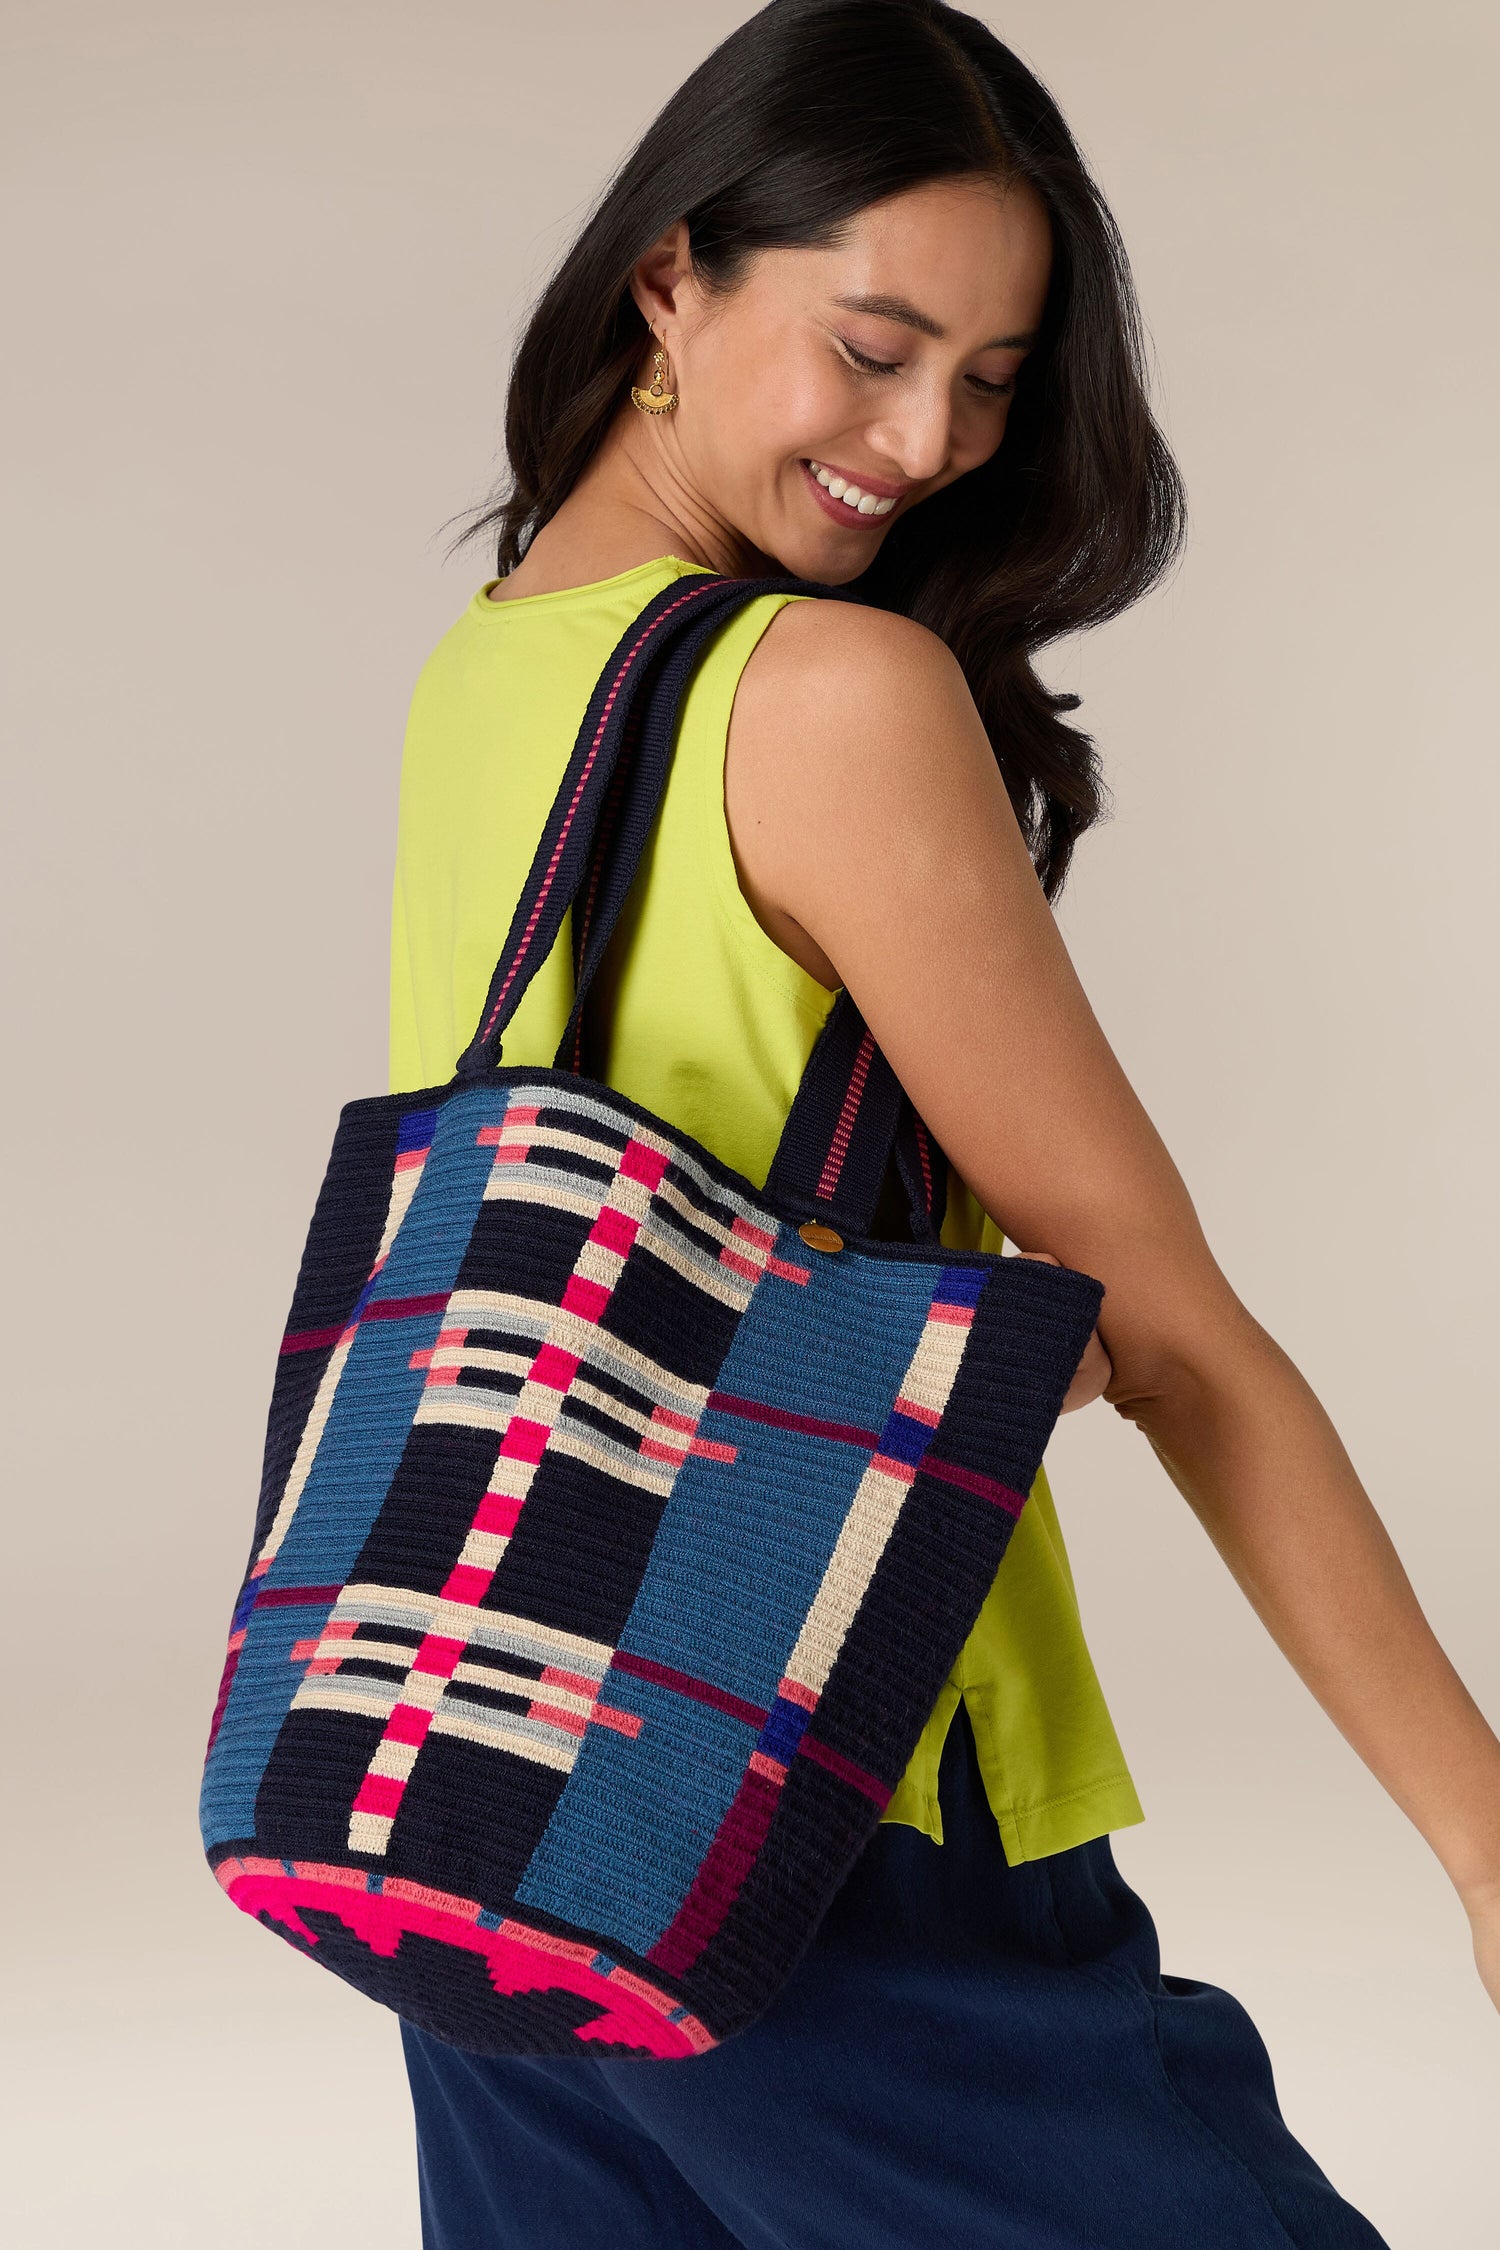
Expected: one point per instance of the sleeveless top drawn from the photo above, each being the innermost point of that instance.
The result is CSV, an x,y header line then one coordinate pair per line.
x,y
702,1018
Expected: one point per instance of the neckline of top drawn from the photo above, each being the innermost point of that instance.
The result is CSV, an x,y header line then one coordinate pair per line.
x,y
562,596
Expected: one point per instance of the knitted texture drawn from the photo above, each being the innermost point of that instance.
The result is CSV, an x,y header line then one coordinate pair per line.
x,y
612,1551
615,1539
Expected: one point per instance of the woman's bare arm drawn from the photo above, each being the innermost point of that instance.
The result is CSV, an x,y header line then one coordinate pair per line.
x,y
876,842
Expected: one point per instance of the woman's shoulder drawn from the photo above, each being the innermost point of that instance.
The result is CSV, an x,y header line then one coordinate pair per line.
x,y
839,695
854,752
834,649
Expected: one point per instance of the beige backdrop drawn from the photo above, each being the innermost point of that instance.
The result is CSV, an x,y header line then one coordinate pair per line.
x,y
266,264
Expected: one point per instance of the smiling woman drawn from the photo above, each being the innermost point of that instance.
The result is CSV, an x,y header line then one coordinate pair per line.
x,y
944,259
854,315
878,402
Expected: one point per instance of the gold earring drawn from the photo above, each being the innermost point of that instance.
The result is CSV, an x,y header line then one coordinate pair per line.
x,y
657,400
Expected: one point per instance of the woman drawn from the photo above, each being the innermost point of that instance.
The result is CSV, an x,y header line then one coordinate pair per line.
x,y
853,310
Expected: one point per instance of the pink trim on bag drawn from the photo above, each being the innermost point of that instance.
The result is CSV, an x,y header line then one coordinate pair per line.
x,y
925,1155
518,1958
839,1148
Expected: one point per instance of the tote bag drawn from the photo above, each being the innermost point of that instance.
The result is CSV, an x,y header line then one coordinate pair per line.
x,y
621,1518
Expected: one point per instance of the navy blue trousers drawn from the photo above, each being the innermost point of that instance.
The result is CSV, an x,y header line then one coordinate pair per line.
x,y
968,2053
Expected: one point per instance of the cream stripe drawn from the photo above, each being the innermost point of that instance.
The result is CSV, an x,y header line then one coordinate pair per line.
x,y
509,1184
561,1750
872,1516
724,1197
705,1273
403,1188
599,1263
575,1144
374,1652
479,1628
394,1760
930,1377
307,1448
710,1222
482,1550
577,1105
464,1406
604,1402
479,1355
511,1478
329,1691
558,1192
369,1832
486,1308
518,1683
621,1460
861,1542
425,1689
538,1183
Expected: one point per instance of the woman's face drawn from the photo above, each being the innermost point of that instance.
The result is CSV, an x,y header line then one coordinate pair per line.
x,y
834,389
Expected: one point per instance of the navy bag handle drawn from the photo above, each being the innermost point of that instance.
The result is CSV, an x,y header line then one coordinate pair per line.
x,y
850,1116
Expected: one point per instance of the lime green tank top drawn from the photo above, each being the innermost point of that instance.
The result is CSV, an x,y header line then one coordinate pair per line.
x,y
702,1018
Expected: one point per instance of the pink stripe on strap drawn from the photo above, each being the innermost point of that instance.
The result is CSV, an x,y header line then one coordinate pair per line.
x,y
547,880
925,1154
839,1147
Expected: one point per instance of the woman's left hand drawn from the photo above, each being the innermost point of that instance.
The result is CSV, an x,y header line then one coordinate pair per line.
x,y
1093,1371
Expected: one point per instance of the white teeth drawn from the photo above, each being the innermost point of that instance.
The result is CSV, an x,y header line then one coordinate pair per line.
x,y
860,503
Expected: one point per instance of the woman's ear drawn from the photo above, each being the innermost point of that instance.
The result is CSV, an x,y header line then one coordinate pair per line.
x,y
656,278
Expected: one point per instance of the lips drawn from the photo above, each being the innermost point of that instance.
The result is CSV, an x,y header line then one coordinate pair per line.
x,y
858,507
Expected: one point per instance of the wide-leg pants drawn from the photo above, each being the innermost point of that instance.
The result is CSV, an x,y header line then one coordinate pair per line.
x,y
969,2053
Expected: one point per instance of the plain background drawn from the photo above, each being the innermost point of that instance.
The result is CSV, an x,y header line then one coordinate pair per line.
x,y
265,268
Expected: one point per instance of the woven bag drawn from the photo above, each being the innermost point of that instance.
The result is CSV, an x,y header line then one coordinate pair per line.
x,y
621,1520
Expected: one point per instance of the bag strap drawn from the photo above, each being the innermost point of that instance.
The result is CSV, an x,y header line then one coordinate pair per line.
x,y
850,1116
630,811
924,1174
562,854
839,1142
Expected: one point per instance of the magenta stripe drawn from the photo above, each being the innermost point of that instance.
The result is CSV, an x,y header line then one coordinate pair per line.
x,y
404,1308
923,1153
780,1418
719,1699
536,913
383,1308
854,1093
221,1705
733,1853
970,1480
309,1340
296,1597
601,836
721,1877
845,1769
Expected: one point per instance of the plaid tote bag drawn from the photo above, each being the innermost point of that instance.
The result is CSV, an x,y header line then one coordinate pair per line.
x,y
621,1520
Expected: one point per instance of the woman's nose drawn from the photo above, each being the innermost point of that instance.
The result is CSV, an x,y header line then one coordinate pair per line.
x,y
917,435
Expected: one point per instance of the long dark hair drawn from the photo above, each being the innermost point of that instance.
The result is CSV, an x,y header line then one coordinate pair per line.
x,y
807,114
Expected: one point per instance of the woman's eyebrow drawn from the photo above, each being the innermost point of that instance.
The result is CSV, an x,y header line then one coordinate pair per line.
x,y
900,309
